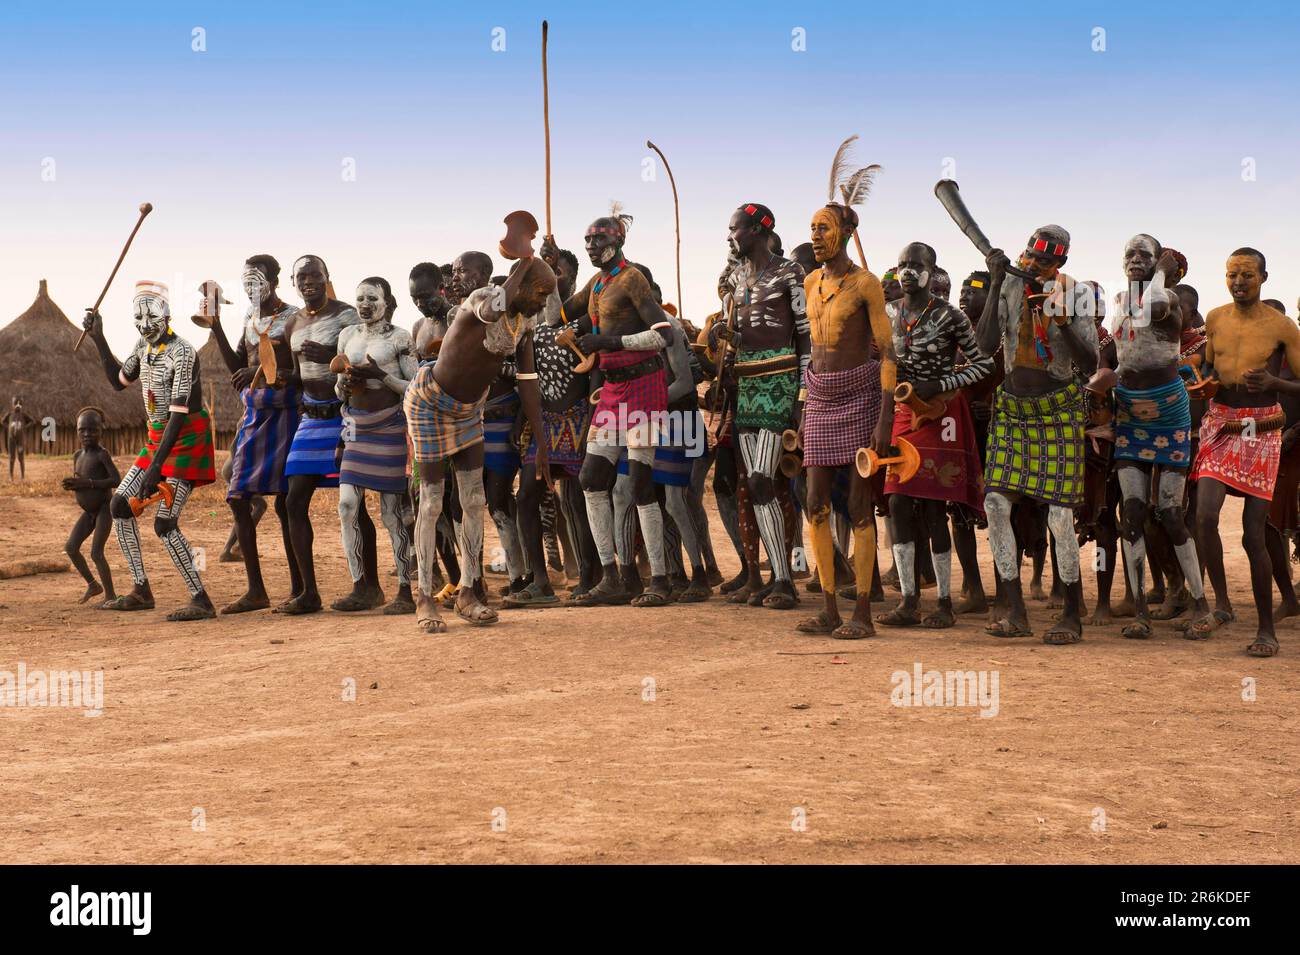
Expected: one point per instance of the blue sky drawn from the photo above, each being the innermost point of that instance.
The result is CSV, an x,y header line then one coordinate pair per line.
x,y
242,147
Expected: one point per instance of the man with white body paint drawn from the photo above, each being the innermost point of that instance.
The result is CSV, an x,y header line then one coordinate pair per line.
x,y
1153,422
381,364
1035,448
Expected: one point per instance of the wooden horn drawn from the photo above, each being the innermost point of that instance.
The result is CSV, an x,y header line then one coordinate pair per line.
x,y
905,463
791,465
521,229
145,209
790,441
567,337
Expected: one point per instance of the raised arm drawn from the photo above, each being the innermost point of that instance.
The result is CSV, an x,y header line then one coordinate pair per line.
x,y
118,375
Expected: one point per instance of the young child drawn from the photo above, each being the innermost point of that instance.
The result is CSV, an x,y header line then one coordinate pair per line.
x,y
93,479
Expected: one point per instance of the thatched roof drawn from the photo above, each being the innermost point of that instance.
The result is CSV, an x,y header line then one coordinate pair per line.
x,y
219,396
37,363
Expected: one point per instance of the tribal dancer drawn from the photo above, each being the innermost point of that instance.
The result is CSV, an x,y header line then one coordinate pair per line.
x,y
1152,419
1241,436
565,410
773,351
178,451
381,363
261,447
848,405
444,415
1035,448
428,293
313,334
928,334
630,331
1283,516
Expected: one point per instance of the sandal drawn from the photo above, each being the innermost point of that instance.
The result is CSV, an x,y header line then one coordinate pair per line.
x,y
656,595
941,619
1201,629
1264,646
130,602
427,617
1061,637
695,593
402,604
192,611
1137,630
296,606
820,624
530,596
1003,627
899,617
852,630
477,614
780,600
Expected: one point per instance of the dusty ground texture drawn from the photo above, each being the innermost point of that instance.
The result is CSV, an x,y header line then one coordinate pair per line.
x,y
535,740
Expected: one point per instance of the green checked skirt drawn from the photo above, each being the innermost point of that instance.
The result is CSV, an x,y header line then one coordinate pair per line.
x,y
1035,446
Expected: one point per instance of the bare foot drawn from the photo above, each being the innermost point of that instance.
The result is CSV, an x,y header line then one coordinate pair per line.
x,y
971,603
1124,608
1101,617
1036,591
92,590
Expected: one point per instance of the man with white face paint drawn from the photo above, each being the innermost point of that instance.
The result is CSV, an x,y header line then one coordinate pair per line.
x,y
1152,419
928,333
381,363
261,447
774,347
179,448
1035,448
313,334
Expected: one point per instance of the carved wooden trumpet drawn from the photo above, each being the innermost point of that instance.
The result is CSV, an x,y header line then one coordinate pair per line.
x,y
165,493
923,411
569,339
902,466
340,365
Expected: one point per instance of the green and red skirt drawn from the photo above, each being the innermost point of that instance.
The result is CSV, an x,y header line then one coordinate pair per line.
x,y
192,457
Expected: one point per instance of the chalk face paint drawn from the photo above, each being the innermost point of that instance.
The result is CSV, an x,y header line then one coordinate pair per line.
x,y
1139,257
827,236
372,305
256,286
151,315
1245,278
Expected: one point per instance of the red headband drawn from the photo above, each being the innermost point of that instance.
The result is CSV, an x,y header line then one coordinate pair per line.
x,y
766,221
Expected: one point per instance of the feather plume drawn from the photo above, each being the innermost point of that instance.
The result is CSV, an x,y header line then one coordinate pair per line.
x,y
858,186
618,215
839,167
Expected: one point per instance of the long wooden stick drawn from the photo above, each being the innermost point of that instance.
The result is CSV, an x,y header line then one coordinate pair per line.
x,y
546,126
677,223
145,209
862,256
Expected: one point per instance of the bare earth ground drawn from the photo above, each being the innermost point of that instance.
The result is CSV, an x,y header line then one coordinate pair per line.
x,y
531,741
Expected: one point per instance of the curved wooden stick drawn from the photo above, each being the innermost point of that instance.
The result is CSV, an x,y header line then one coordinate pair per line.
x,y
677,225
145,209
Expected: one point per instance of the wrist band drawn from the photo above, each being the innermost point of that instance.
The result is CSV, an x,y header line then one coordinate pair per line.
x,y
526,376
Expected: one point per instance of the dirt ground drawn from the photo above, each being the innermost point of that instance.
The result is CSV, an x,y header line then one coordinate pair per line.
x,y
700,733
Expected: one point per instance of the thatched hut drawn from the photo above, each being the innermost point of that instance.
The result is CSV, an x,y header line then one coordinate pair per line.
x,y
219,396
37,362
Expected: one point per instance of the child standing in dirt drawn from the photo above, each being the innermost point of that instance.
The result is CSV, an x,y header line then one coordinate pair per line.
x,y
94,475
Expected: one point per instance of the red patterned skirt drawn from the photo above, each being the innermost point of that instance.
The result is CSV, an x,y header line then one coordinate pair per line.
x,y
1246,463
950,461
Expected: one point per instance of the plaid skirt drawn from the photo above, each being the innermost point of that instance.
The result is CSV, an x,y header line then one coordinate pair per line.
x,y
374,449
1154,425
643,396
840,414
439,425
261,448
1036,446
191,457
1248,466
499,414
315,444
565,439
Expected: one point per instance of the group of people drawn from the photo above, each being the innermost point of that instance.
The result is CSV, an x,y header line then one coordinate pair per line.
x,y
817,392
